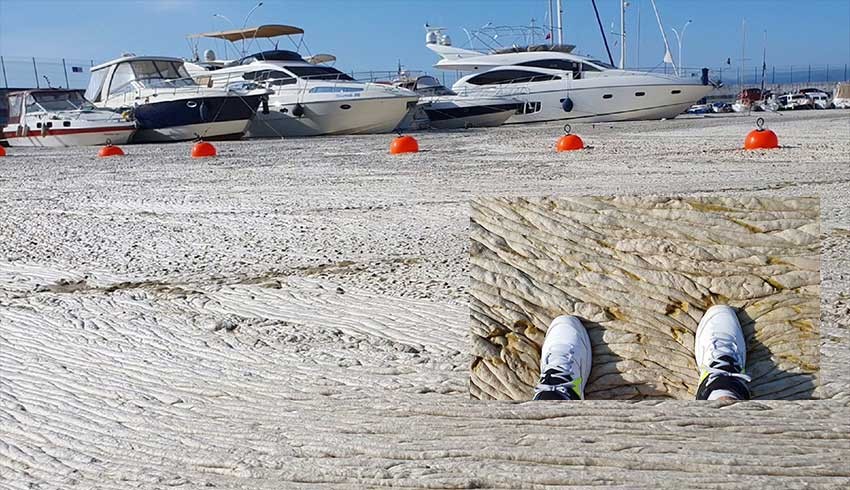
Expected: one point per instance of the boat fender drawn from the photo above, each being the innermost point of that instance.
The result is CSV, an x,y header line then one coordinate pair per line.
x,y
19,131
25,131
567,104
298,110
44,129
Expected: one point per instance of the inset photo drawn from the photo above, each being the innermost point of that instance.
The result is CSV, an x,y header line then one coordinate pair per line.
x,y
627,297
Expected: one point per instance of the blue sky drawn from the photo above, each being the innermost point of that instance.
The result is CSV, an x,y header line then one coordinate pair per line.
x,y
376,34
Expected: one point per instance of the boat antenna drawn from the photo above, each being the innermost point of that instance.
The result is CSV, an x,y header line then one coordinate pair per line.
x,y
47,80
602,30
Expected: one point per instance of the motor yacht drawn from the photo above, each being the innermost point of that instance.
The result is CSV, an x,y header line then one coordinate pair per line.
x,y
442,108
168,104
308,98
554,83
62,117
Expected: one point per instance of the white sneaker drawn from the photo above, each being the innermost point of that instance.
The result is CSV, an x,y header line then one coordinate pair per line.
x,y
564,361
721,354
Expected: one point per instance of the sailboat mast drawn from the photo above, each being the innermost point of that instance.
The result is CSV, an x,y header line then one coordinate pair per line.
x,y
551,25
743,51
560,24
622,34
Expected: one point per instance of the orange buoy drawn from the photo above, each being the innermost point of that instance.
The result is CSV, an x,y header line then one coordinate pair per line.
x,y
761,139
569,142
110,151
202,149
404,144
2,152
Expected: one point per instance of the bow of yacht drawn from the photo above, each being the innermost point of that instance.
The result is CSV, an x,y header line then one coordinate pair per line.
x,y
554,83
307,98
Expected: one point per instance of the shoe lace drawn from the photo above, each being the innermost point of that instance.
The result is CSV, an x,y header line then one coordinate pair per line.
x,y
725,359
560,372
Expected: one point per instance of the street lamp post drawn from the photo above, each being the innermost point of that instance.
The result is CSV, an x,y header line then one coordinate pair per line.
x,y
680,37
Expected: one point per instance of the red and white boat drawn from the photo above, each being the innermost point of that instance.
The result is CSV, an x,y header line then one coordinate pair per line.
x,y
62,117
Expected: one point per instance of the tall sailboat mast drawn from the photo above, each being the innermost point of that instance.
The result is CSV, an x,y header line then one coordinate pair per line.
x,y
623,4
560,24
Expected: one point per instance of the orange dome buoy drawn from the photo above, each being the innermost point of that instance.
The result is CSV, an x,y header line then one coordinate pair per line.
x,y
110,150
404,144
2,152
569,142
202,149
761,139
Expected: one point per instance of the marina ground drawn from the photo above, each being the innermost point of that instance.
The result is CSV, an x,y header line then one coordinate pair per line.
x,y
293,314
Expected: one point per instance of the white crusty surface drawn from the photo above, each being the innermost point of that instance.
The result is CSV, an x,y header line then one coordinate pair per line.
x,y
640,272
293,314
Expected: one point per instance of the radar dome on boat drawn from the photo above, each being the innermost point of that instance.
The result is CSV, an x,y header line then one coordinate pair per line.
x,y
431,37
445,40
209,55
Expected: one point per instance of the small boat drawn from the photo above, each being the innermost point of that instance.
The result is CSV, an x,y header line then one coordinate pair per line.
x,y
841,96
445,109
307,97
167,103
62,117
747,100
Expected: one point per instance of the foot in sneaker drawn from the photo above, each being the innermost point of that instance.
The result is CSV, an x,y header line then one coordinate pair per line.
x,y
564,361
721,355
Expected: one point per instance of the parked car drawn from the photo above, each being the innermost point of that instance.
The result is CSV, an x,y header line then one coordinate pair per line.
x,y
820,100
788,102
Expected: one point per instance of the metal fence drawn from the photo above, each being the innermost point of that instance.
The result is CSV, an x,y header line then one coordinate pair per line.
x,y
23,72
27,72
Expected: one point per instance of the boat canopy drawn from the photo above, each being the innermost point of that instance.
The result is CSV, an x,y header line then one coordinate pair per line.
x,y
267,30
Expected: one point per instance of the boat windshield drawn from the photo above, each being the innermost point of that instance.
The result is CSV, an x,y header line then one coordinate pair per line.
x,y
273,55
161,73
318,73
428,85
58,101
601,64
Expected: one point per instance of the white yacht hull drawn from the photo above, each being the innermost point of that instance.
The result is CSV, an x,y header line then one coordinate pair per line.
x,y
210,131
590,104
362,116
98,138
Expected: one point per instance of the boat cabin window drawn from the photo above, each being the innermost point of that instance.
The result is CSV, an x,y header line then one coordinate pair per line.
x,y
150,73
555,64
15,108
428,85
500,77
121,80
599,64
274,55
95,88
318,73
60,101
